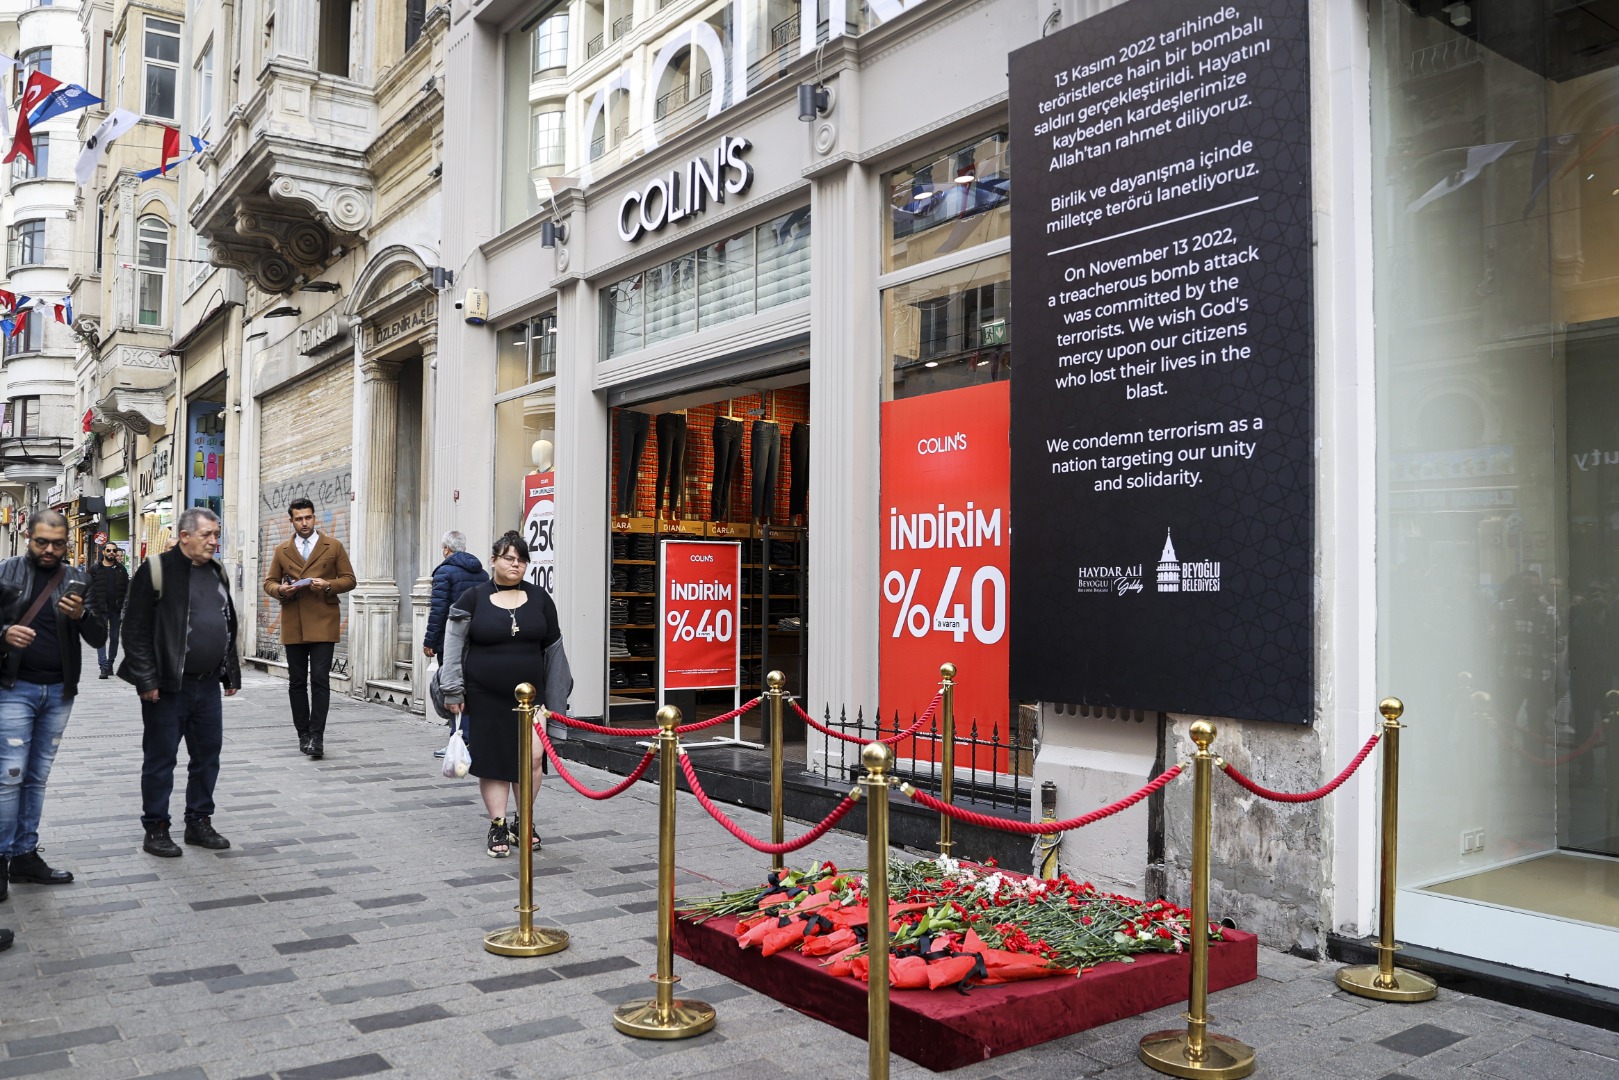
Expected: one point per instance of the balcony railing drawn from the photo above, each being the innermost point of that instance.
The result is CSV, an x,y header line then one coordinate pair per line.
x,y
623,26
594,46
674,99
784,32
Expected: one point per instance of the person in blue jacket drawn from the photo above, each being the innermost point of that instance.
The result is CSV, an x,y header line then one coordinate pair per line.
x,y
459,572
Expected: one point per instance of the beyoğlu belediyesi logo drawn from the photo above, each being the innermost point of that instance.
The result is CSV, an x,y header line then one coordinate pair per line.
x,y
1177,576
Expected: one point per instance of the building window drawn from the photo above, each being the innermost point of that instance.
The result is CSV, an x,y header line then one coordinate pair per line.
x,y
949,330
160,52
200,264
29,62
203,89
949,201
27,244
533,144
152,270
415,17
28,339
528,353
23,169
101,230
25,415
551,44
106,64
332,53
548,146
731,278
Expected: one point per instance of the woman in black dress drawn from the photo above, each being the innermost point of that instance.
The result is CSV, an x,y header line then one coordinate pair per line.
x,y
499,634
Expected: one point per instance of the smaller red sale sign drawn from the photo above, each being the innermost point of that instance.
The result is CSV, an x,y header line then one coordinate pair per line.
x,y
700,586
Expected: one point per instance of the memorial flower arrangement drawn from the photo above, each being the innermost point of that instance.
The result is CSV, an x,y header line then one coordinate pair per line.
x,y
951,922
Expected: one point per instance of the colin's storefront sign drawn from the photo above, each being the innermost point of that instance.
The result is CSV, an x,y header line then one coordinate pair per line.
x,y
685,191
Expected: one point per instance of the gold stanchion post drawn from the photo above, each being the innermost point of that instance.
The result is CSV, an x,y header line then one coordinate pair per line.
x,y
778,825
878,759
665,1016
525,939
1196,1053
1383,981
947,752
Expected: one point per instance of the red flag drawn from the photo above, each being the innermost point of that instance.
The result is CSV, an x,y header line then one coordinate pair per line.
x,y
171,147
39,84
22,322
8,300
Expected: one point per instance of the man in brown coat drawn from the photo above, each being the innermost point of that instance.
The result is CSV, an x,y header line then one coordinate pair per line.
x,y
307,574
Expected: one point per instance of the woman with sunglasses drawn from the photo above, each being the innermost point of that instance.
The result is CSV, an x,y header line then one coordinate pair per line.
x,y
499,634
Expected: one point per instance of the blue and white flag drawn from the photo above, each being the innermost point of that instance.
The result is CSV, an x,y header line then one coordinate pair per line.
x,y
64,99
197,147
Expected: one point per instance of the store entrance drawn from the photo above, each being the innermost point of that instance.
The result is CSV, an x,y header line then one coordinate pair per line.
x,y
731,464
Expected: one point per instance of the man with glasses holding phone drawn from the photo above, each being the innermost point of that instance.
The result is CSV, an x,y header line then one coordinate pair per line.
x,y
43,615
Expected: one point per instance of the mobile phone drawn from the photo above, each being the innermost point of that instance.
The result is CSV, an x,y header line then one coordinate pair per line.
x,y
76,588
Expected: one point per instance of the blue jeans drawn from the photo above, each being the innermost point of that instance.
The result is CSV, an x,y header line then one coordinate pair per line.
x,y
108,654
32,719
194,713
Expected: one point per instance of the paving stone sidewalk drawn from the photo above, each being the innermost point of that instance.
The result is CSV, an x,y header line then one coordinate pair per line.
x,y
341,936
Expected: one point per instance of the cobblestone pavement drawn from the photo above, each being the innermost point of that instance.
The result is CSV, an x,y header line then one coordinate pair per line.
x,y
341,936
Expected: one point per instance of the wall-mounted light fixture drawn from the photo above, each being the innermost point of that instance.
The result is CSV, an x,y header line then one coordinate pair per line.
x,y
319,286
813,100
281,312
553,233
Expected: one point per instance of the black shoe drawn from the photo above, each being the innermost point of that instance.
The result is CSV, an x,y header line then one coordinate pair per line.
x,y
30,867
200,833
303,744
316,751
499,839
158,843
512,825
5,940
106,674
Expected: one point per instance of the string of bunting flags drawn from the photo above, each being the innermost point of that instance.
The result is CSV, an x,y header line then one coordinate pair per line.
x,y
45,98
17,308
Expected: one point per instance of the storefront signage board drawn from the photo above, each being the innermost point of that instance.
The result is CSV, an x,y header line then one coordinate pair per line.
x,y
699,615
539,528
1163,413
946,557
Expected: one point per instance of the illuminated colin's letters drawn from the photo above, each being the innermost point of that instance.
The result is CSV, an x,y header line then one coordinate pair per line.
x,y
685,191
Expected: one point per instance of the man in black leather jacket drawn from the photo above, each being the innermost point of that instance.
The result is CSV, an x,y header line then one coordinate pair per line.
x,y
179,649
39,678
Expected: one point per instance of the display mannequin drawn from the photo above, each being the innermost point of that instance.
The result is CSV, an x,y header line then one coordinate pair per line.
x,y
542,453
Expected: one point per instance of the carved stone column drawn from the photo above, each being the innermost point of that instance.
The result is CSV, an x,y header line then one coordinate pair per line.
x,y
376,597
421,593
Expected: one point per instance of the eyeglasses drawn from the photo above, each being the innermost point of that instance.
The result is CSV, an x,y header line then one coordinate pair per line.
x,y
41,542
513,558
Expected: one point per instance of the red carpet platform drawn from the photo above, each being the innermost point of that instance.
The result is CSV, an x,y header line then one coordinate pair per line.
x,y
945,1029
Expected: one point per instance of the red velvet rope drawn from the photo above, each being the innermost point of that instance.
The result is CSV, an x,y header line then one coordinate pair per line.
x,y
1304,796
1035,828
1591,743
747,838
652,732
616,789
927,714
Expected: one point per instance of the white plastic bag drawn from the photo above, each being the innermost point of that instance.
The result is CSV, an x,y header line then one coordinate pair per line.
x,y
457,758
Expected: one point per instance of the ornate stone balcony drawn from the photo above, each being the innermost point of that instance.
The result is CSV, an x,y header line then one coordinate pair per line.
x,y
32,459
290,182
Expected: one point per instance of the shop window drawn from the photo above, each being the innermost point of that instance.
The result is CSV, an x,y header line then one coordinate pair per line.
x,y
528,353
23,169
754,270
525,440
949,330
533,144
160,54
152,270
332,53
948,202
27,244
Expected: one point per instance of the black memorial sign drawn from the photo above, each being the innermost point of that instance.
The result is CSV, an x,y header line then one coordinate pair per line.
x,y
1163,410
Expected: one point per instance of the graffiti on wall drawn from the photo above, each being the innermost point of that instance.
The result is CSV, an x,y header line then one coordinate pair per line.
x,y
332,493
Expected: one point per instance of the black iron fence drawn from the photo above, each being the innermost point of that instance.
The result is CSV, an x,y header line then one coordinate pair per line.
x,y
994,769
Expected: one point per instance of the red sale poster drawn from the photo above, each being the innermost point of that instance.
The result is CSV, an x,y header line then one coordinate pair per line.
x,y
946,492
700,586
539,521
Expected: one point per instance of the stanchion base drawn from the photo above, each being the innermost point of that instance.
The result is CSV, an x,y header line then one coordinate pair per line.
x,y
684,1019
539,941
1224,1058
1408,985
